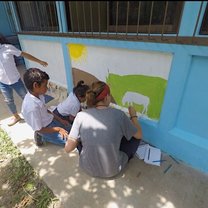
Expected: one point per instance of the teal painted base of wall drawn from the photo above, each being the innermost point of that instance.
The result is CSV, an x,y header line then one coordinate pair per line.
x,y
190,149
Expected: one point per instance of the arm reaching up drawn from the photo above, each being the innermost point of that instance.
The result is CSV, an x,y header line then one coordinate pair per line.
x,y
32,58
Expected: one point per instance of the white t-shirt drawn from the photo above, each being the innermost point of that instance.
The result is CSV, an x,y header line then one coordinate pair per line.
x,y
35,112
8,70
70,106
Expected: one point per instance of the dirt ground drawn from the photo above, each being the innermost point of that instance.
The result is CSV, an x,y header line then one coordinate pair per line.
x,y
20,185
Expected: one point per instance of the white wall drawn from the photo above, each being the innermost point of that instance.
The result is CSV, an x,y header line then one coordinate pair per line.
x,y
50,52
100,61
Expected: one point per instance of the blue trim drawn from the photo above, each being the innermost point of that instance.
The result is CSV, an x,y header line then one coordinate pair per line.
x,y
63,16
68,68
59,16
146,46
190,14
15,16
174,89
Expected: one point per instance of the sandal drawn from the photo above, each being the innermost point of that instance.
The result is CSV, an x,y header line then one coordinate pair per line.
x,y
14,120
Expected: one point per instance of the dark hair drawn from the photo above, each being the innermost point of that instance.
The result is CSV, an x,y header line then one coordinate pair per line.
x,y
34,75
81,89
93,92
3,40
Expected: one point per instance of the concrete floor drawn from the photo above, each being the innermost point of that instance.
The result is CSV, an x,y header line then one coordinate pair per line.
x,y
140,186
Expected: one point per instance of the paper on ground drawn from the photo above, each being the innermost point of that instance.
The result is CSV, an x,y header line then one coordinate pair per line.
x,y
149,154
141,151
152,155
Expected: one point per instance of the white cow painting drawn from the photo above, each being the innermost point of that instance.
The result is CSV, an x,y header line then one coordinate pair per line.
x,y
133,97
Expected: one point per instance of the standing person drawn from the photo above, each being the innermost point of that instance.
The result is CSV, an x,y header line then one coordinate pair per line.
x,y
10,77
108,138
47,126
69,108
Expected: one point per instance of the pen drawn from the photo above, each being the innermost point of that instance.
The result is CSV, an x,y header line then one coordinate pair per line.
x,y
148,154
158,160
166,170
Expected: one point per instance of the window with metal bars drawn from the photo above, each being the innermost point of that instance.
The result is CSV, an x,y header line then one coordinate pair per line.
x,y
124,16
37,15
86,16
145,16
102,16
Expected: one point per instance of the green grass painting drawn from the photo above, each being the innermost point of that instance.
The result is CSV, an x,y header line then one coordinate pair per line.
x,y
152,87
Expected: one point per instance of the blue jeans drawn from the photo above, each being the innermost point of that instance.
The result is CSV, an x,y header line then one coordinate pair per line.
x,y
55,138
7,92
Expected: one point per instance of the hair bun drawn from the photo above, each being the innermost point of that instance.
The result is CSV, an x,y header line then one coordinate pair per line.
x,y
81,82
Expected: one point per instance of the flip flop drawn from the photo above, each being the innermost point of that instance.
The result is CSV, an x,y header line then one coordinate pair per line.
x,y
14,120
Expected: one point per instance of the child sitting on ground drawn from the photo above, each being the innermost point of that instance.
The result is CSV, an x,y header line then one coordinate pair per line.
x,y
48,127
69,108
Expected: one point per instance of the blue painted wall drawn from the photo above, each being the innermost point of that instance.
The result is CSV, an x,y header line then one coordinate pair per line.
x,y
6,27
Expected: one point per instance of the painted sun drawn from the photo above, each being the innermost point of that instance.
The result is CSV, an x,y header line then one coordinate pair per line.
x,y
77,51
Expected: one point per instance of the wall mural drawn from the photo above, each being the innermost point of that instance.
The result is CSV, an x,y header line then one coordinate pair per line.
x,y
137,78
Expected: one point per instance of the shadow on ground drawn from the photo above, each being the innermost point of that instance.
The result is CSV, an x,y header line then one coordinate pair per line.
x,y
140,185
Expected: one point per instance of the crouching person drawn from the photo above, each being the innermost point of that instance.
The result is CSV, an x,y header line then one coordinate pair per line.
x,y
105,137
47,126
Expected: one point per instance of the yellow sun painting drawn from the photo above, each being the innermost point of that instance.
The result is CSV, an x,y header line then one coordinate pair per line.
x,y
77,52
